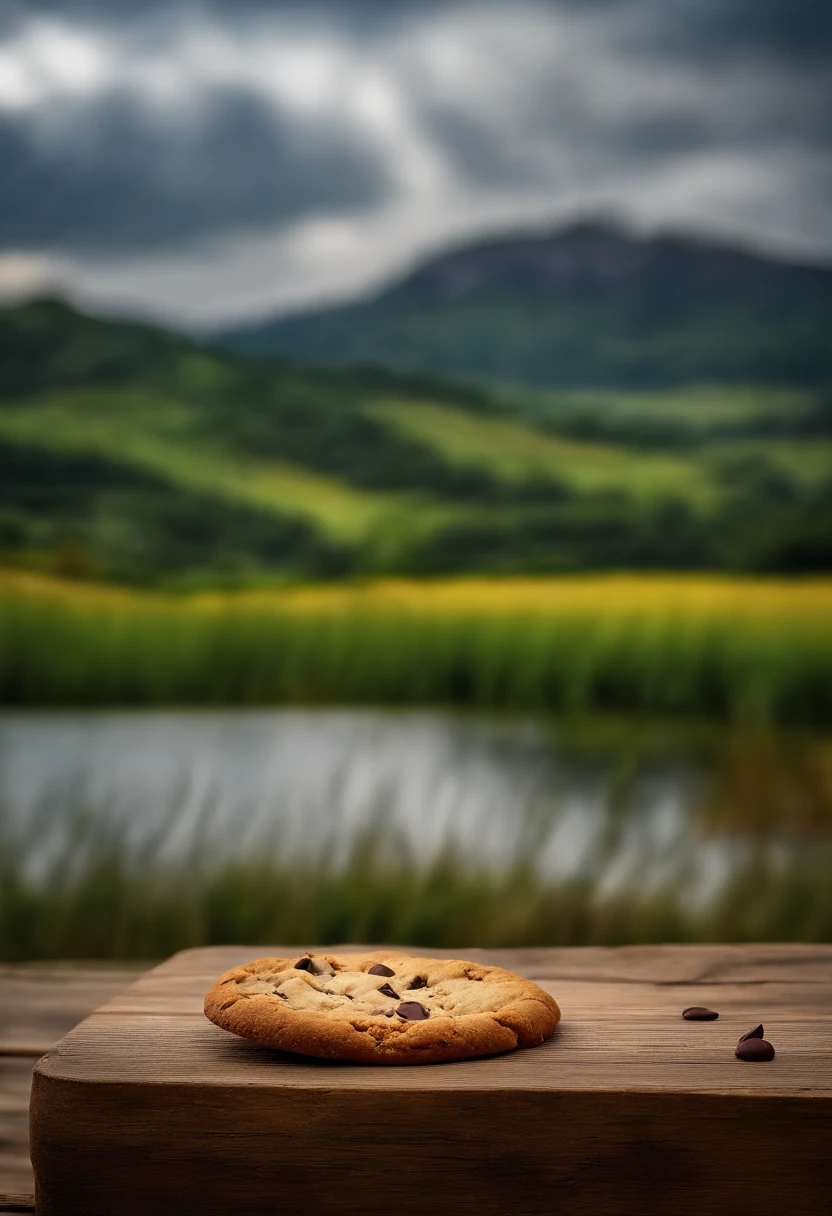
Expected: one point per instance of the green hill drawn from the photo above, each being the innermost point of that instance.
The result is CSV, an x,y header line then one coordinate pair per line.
x,y
586,305
132,454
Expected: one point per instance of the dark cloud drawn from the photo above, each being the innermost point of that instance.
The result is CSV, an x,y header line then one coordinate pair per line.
x,y
780,30
110,176
748,96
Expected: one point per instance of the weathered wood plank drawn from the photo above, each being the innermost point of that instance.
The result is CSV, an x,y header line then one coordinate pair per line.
x,y
17,1203
39,1004
15,1168
626,1103
660,965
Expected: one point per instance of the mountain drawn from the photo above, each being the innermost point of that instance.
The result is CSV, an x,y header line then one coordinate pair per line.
x,y
132,454
588,305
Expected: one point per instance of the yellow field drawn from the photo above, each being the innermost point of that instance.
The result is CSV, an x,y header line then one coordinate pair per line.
x,y
604,595
585,595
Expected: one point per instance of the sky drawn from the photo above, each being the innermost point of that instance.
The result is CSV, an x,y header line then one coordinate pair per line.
x,y
201,162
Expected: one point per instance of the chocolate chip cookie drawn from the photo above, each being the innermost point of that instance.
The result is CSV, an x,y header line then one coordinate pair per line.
x,y
383,1008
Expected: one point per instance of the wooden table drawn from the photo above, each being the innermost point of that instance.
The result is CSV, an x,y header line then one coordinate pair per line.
x,y
38,1006
628,1109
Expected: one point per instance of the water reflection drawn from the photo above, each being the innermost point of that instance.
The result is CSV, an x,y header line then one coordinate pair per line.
x,y
621,807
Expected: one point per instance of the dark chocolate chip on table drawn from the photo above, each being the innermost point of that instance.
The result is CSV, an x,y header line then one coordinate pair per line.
x,y
388,991
698,1013
303,964
756,1033
380,969
754,1049
412,1011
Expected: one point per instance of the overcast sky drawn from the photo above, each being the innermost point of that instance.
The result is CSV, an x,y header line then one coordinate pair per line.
x,y
204,161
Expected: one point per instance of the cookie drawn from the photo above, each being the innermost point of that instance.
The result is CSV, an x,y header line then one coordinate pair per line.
x,y
382,1008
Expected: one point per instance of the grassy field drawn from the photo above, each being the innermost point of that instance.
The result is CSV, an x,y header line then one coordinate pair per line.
x,y
803,461
748,651
703,410
162,435
516,453
155,462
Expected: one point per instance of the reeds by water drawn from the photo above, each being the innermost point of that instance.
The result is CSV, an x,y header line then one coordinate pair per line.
x,y
113,907
84,877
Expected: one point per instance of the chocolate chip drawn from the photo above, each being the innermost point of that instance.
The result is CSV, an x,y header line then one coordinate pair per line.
x,y
380,969
756,1033
698,1013
412,1011
754,1049
418,982
303,964
386,990
319,966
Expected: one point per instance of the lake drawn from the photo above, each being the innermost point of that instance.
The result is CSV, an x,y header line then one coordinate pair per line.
x,y
621,805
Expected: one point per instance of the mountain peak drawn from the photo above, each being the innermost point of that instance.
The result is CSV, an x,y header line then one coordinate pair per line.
x,y
585,252
589,303
526,260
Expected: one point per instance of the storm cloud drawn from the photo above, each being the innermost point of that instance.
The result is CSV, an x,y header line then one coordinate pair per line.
x,y
106,176
207,158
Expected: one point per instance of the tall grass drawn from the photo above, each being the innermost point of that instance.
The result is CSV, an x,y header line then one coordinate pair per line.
x,y
117,905
752,652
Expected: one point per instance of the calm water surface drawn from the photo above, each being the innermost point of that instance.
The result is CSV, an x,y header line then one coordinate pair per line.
x,y
311,784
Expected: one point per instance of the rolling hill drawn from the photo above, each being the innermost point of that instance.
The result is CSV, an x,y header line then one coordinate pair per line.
x,y
131,454
587,305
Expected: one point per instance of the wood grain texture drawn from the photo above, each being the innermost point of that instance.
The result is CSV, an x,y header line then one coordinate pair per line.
x,y
16,1203
628,1109
15,1169
39,1004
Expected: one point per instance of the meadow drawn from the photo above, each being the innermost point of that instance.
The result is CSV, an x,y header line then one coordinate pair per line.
x,y
690,414
161,434
749,651
135,456
516,453
596,444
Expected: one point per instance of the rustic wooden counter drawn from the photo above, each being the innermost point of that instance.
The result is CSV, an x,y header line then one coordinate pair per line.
x,y
627,1109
